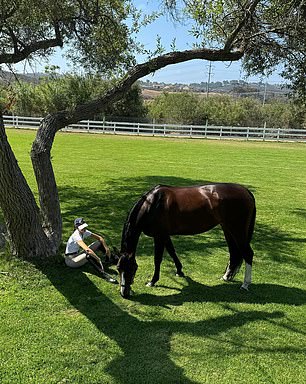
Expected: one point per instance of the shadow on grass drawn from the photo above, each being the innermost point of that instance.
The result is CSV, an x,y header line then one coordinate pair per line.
x,y
300,212
226,292
145,345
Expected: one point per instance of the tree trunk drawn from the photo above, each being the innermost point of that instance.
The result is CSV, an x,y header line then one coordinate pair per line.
x,y
21,214
47,188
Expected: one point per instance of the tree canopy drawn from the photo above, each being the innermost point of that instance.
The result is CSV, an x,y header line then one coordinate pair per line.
x,y
35,28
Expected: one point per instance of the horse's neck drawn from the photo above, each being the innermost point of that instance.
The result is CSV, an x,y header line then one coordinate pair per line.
x,y
130,240
133,227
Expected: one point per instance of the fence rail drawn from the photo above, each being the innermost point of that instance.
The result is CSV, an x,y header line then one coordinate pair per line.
x,y
168,130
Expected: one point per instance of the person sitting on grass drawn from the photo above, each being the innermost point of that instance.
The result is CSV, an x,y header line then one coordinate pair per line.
x,y
78,252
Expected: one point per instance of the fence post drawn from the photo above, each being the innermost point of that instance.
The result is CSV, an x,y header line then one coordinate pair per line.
x,y
190,131
220,137
278,129
138,129
264,131
248,131
16,122
103,126
88,125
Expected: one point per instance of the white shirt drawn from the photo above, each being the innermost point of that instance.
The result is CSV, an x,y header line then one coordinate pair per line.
x,y
72,244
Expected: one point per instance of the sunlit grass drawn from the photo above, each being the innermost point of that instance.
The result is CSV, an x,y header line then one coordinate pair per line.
x,y
68,326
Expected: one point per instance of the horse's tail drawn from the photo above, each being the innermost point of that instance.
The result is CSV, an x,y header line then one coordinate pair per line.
x,y
253,218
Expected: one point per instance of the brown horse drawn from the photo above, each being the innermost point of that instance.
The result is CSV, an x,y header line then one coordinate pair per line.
x,y
166,211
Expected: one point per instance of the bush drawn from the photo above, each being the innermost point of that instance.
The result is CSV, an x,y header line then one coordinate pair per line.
x,y
56,93
187,108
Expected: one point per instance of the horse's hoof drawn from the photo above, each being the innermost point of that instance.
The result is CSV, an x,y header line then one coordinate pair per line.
x,y
150,284
181,274
245,287
227,278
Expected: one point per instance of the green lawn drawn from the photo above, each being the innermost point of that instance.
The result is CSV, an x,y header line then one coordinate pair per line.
x,y
60,325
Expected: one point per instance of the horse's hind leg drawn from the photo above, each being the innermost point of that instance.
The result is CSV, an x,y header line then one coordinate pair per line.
x,y
235,257
159,247
172,253
239,250
248,258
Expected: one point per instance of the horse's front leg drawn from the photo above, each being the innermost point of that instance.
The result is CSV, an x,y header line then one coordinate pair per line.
x,y
170,249
159,247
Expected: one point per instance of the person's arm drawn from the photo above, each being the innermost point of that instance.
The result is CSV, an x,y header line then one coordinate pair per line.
x,y
102,241
86,248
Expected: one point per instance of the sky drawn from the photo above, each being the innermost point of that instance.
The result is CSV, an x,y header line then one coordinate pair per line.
x,y
195,71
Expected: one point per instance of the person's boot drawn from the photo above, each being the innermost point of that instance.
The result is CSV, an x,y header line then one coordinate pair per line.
x,y
100,268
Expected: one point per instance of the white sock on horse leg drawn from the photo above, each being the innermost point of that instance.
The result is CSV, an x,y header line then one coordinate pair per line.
x,y
247,276
225,277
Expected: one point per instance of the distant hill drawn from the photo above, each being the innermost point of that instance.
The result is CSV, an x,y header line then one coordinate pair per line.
x,y
150,94
237,88
151,90
9,77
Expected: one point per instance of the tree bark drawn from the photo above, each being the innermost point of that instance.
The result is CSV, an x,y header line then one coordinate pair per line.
x,y
47,188
21,213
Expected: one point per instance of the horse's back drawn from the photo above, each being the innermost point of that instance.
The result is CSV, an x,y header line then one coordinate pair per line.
x,y
196,209
182,210
211,195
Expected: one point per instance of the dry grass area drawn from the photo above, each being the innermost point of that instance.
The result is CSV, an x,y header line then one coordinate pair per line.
x,y
150,94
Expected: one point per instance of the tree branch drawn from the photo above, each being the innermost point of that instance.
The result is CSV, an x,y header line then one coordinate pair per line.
x,y
19,55
248,13
88,110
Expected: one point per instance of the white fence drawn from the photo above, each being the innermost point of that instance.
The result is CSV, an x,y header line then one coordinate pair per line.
x,y
169,130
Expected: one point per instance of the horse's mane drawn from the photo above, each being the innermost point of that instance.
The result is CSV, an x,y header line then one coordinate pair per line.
x,y
131,220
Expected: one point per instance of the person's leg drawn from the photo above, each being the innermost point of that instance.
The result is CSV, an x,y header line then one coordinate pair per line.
x,y
96,262
97,246
81,259
114,256
76,261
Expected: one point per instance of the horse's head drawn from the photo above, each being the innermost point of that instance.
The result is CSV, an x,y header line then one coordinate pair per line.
x,y
127,268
